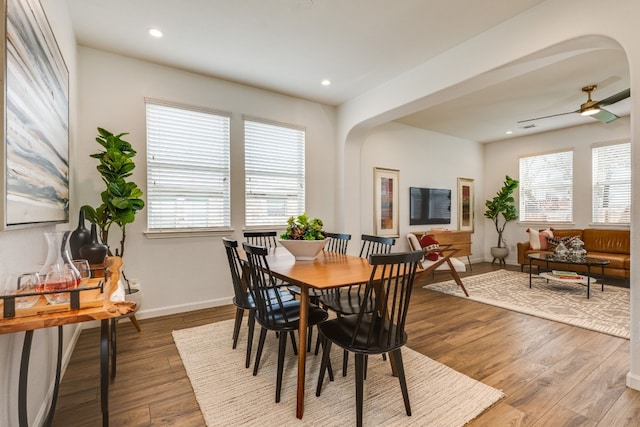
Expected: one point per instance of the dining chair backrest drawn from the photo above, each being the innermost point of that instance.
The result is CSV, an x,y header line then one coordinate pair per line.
x,y
262,286
235,266
261,238
338,242
375,245
390,286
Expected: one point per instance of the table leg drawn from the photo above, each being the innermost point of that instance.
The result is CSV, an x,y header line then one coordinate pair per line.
x,y
104,371
22,383
114,348
302,354
530,267
588,280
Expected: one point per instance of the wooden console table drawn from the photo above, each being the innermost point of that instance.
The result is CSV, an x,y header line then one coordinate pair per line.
x,y
107,312
454,238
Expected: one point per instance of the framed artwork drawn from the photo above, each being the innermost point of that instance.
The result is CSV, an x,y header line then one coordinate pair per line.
x,y
386,202
465,204
36,125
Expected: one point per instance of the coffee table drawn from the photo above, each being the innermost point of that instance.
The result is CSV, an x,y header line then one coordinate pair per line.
x,y
569,262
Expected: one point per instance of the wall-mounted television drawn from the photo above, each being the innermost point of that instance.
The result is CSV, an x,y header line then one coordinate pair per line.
x,y
429,206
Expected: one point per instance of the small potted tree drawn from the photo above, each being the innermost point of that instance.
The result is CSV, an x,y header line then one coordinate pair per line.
x,y
121,198
501,210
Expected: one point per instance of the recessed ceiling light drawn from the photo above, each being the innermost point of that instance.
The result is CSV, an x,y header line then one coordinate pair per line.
x,y
326,82
509,132
154,32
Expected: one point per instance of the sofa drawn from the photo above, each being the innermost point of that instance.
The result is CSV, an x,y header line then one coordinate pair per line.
x,y
611,245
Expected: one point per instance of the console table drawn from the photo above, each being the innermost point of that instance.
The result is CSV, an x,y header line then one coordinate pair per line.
x,y
455,239
107,312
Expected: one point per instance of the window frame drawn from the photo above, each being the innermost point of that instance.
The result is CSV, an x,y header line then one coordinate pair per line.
x,y
223,165
252,126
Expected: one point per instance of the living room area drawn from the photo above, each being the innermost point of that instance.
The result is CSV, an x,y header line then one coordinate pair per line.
x,y
345,142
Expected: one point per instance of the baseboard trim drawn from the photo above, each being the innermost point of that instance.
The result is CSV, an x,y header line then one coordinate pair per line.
x,y
633,381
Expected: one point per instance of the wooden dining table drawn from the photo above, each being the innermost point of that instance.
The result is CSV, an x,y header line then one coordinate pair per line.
x,y
329,270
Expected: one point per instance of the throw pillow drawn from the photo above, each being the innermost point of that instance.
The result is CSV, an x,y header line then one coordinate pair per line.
x,y
538,238
553,242
430,247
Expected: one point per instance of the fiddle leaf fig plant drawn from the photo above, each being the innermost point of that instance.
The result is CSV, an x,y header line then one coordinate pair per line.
x,y
122,198
502,206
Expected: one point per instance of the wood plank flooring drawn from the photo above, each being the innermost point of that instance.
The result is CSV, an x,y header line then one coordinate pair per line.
x,y
552,374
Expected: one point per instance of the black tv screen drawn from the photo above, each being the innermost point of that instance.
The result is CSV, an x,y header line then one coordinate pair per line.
x,y
429,206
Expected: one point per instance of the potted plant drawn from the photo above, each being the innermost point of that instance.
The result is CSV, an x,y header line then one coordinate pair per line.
x,y
304,237
501,210
121,199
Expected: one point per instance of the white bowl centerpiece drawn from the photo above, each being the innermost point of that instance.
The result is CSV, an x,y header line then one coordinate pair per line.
x,y
304,237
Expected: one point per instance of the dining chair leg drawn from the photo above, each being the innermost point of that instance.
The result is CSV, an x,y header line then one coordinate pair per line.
x,y
236,326
326,349
309,338
282,346
263,335
345,360
250,327
360,370
396,356
317,345
293,342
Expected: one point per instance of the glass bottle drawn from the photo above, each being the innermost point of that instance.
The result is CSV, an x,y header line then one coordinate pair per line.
x,y
58,265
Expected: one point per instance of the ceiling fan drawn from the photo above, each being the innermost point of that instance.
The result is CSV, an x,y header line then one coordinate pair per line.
x,y
593,108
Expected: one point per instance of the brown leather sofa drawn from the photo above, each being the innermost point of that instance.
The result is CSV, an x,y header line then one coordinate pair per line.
x,y
612,245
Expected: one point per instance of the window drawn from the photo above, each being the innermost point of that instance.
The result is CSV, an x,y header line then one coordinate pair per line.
x,y
274,173
546,187
187,168
611,169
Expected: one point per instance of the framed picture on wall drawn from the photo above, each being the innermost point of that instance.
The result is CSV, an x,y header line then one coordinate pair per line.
x,y
465,204
386,202
36,126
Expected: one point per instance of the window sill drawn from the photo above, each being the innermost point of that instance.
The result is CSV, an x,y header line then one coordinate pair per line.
x,y
189,232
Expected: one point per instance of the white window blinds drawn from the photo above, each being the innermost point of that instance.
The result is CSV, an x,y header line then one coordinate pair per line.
x,y
187,168
274,173
546,187
611,171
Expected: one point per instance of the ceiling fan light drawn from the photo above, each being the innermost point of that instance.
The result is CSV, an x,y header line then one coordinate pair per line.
x,y
590,111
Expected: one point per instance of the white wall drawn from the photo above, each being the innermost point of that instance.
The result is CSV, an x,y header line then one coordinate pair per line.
x,y
502,158
180,274
424,159
24,250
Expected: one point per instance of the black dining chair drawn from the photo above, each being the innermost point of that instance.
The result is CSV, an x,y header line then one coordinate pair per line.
x,y
378,331
242,298
261,238
350,300
273,313
338,243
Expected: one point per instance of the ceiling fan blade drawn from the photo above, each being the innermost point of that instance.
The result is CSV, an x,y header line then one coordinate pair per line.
x,y
604,116
615,98
546,117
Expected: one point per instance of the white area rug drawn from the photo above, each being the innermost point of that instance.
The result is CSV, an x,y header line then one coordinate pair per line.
x,y
229,395
606,312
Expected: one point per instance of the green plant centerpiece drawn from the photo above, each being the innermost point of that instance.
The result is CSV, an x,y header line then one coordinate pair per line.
x,y
122,198
304,237
501,208
303,228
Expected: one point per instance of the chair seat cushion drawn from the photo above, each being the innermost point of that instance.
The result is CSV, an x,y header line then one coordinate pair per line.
x,y
288,317
341,331
458,265
344,301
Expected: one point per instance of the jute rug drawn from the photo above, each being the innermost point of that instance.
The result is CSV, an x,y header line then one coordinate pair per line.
x,y
229,395
606,312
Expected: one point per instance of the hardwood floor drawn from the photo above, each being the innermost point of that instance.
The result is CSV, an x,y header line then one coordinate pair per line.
x,y
552,374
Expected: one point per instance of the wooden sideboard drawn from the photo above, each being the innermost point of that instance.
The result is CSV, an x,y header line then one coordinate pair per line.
x,y
457,239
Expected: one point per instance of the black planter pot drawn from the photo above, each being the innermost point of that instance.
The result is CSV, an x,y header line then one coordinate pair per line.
x,y
79,237
94,252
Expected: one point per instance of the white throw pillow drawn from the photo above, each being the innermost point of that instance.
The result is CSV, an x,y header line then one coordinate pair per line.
x,y
538,239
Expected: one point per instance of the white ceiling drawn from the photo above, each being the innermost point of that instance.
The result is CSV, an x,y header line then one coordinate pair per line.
x,y
289,46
